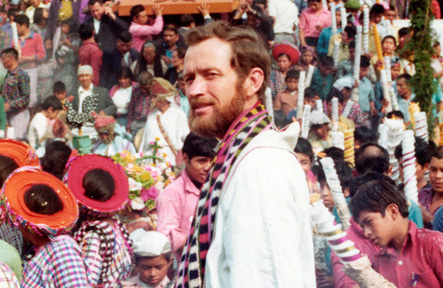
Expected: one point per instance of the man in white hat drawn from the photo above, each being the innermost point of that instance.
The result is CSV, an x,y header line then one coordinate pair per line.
x,y
319,136
105,104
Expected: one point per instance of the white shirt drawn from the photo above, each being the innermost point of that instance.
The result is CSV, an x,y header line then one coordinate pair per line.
x,y
37,129
263,236
121,99
285,13
96,25
175,123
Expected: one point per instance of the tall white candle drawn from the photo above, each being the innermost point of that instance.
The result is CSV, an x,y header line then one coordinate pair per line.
x,y
309,74
386,94
15,34
366,29
334,113
301,94
344,18
306,121
356,73
319,105
410,179
333,18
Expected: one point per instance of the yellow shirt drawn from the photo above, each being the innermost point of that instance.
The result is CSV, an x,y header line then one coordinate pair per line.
x,y
65,11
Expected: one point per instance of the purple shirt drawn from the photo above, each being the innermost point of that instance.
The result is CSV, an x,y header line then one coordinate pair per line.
x,y
175,210
425,198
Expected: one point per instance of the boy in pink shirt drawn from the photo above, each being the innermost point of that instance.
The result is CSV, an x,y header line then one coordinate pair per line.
x,y
140,30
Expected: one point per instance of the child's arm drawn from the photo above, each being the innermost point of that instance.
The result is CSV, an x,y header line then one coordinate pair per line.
x,y
277,102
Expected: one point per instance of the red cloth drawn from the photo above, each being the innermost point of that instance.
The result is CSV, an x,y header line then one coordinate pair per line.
x,y
435,6
90,54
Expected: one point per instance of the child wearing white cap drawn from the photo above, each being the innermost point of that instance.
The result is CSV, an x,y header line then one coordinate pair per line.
x,y
153,258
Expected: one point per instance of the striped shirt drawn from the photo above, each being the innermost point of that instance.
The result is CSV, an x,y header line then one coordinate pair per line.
x,y
57,264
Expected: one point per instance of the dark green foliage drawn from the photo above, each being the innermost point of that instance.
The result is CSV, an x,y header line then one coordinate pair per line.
x,y
420,44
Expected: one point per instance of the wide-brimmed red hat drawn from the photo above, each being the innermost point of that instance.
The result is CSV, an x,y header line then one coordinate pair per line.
x,y
22,153
14,189
286,48
81,165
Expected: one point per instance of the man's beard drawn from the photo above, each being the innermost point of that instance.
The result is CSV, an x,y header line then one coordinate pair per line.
x,y
222,117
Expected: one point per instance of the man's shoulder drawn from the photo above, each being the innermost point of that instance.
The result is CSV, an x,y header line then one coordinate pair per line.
x,y
100,90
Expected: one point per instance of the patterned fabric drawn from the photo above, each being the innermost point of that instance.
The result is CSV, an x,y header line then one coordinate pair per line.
x,y
88,105
12,235
57,264
16,91
107,252
7,277
139,106
244,129
277,82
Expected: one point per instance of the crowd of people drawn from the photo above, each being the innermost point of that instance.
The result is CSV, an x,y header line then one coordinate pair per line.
x,y
242,106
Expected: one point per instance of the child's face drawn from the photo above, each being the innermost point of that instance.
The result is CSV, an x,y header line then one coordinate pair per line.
x,y
377,229
52,114
326,196
363,72
388,46
153,270
292,84
60,95
322,131
284,63
376,18
124,82
305,162
65,28
307,57
395,71
325,69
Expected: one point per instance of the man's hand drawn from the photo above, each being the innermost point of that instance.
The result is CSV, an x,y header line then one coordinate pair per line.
x,y
374,111
48,44
204,9
7,107
157,9
110,13
166,59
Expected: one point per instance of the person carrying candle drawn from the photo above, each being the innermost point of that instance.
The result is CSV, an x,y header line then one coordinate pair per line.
x,y
409,256
286,101
344,38
101,189
43,208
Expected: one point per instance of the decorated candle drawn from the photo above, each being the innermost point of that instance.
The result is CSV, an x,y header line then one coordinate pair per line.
x,y
309,74
410,179
268,103
356,73
365,29
386,93
393,97
336,190
338,139
412,109
387,62
306,122
324,3
301,94
334,114
333,18
440,143
377,43
319,105
344,17
395,129
349,146
347,109
421,125
15,35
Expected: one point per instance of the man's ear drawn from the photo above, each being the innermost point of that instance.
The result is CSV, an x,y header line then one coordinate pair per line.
x,y
393,211
185,158
254,82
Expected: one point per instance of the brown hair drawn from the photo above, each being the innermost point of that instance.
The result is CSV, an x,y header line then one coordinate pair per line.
x,y
248,49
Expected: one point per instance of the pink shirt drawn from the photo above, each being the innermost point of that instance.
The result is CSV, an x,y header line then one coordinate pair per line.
x,y
420,263
32,45
175,210
142,33
309,19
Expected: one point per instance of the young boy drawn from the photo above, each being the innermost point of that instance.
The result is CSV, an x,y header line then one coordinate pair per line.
x,y
140,30
366,96
153,258
287,99
410,257
59,91
323,76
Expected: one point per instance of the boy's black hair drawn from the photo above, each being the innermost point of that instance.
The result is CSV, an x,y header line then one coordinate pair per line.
x,y
22,19
196,145
376,196
358,181
186,20
403,32
351,31
310,93
292,74
325,60
58,87
389,37
304,147
92,2
376,159
335,153
395,113
334,92
376,9
52,101
10,52
170,27
85,31
125,37
437,152
125,72
351,45
405,76
135,10
137,258
364,61
56,156
363,134
344,173
422,152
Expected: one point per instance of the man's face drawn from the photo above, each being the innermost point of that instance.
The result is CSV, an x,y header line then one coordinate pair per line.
x,y
316,6
325,69
153,270
321,131
388,46
376,18
142,18
292,84
305,161
377,229
390,15
123,47
363,72
197,167
149,54
97,11
85,80
436,174
21,29
213,87
402,87
170,38
7,61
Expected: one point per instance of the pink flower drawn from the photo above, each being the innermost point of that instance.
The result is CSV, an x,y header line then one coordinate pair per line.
x,y
150,193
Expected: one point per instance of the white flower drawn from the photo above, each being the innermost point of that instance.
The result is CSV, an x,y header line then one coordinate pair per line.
x,y
159,185
134,185
137,204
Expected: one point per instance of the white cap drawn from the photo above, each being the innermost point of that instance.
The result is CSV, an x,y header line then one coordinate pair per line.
x,y
318,118
149,243
344,82
84,69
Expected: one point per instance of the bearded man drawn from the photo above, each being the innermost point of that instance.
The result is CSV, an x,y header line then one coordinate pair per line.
x,y
251,227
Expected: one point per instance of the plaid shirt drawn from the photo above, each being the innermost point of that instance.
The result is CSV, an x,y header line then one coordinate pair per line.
x,y
57,264
7,277
16,91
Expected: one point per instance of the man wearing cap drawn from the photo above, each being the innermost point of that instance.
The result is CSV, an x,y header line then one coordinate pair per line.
x,y
165,122
251,227
105,104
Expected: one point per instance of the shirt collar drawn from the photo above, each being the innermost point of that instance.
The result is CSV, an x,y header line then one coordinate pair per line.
x,y
81,90
410,241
